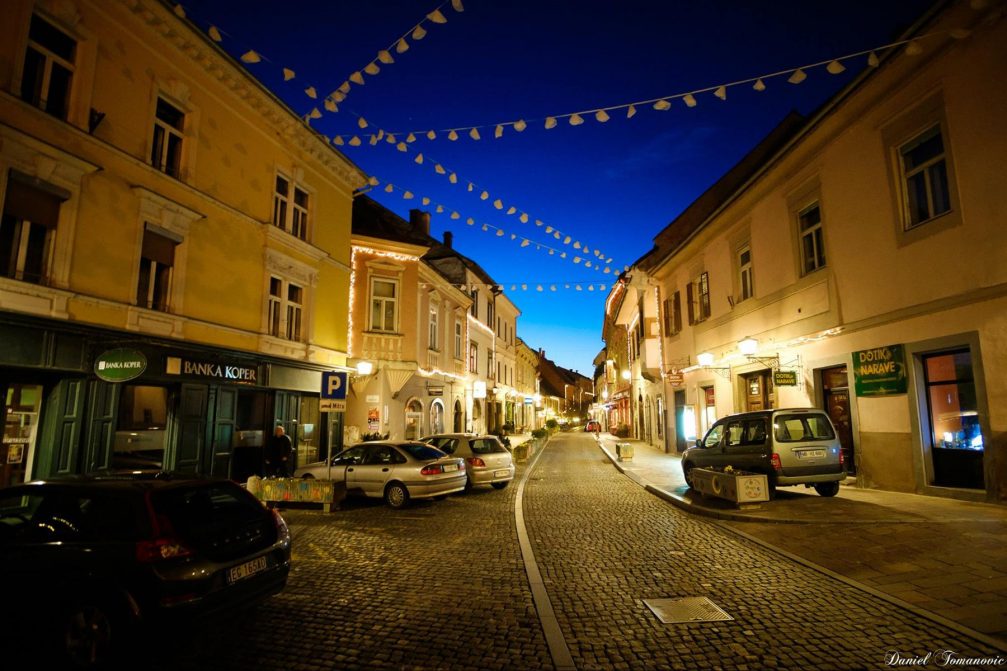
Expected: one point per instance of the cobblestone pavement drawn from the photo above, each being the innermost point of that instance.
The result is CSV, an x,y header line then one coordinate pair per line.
x,y
604,545
442,586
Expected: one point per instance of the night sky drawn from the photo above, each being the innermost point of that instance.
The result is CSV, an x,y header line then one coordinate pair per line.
x,y
610,186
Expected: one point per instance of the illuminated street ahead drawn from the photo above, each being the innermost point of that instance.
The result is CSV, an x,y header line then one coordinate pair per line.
x,y
443,586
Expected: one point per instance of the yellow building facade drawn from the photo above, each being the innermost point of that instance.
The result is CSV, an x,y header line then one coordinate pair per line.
x,y
175,243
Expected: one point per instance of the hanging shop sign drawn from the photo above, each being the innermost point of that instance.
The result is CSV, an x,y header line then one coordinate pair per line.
x,y
176,365
479,389
529,400
120,365
880,371
332,397
785,378
675,378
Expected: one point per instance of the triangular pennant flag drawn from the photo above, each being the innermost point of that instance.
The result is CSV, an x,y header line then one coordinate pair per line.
x,y
457,5
486,227
455,215
470,221
402,46
410,138
474,134
250,57
362,122
484,195
374,140
390,139
550,122
539,222
601,116
524,287
551,251
538,287
439,169
344,87
402,146
662,105
552,287
385,57
338,141
556,235
590,287
452,136
180,11
357,78
576,245
500,233
689,100
520,125
315,113
453,178
576,120
797,77
587,264
513,287
586,250
437,17
835,67
372,68
631,111
577,259
566,240
431,135
288,74
408,195
373,181
525,242
511,210
721,92
759,85
470,187
354,141
440,209
338,96
311,92
549,229
330,105
563,255
578,287
426,200
873,60
214,34
498,204
389,188
419,159
419,33
498,132
523,218
607,270
513,236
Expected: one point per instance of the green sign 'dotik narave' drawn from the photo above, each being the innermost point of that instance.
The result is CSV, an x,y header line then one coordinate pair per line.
x,y
880,371
120,365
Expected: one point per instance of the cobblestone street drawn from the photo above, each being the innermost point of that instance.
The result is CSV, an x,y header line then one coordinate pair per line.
x,y
442,585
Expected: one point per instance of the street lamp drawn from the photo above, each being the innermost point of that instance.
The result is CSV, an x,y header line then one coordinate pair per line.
x,y
626,375
364,368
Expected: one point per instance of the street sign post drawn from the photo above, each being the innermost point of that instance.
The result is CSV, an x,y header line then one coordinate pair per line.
x,y
333,394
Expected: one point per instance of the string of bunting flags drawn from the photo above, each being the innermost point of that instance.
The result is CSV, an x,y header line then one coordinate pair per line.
x,y
532,286
600,262
372,69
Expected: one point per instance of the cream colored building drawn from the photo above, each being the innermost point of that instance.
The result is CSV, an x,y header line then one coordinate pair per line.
x,y
529,396
175,247
857,261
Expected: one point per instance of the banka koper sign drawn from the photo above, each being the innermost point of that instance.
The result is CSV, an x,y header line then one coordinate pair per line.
x,y
219,371
880,371
120,365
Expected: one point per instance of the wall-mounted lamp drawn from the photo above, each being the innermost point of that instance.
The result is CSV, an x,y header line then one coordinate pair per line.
x,y
364,368
705,360
604,394
749,346
626,375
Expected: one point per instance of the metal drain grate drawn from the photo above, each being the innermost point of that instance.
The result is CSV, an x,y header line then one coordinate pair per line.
x,y
686,609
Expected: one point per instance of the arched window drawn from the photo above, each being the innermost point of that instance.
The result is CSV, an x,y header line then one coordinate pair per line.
x,y
459,417
414,420
437,417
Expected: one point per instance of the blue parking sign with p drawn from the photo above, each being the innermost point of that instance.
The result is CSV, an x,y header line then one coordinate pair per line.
x,y
333,393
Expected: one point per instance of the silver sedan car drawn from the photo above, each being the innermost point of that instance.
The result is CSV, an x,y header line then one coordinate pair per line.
x,y
487,461
395,471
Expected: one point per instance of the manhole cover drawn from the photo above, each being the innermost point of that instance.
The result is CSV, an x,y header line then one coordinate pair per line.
x,y
686,609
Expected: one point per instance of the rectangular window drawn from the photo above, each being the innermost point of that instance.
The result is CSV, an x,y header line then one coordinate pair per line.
x,y
475,303
434,326
290,208
698,296
166,150
275,305
48,68
384,305
812,243
489,363
474,358
925,177
280,202
27,231
157,258
746,274
458,339
295,311
286,309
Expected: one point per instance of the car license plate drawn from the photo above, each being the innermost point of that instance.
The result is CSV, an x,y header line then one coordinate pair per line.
x,y
450,467
246,570
811,454
502,473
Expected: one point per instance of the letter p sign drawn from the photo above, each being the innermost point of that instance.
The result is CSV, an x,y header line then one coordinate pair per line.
x,y
334,385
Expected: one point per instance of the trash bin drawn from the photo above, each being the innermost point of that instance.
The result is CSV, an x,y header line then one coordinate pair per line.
x,y
624,451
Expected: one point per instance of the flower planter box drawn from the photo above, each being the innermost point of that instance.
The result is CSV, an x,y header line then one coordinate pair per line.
x,y
737,486
298,490
624,451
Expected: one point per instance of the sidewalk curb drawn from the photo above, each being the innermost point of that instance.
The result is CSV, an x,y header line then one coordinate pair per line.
x,y
722,516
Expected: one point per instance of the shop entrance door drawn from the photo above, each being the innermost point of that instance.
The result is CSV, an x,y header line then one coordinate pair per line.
x,y
758,390
22,405
836,396
680,440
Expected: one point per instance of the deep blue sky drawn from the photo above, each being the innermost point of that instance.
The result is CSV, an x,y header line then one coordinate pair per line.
x,y
612,186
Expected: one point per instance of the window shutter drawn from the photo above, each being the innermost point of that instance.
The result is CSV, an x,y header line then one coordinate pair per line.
x,y
678,311
666,316
159,249
31,204
690,301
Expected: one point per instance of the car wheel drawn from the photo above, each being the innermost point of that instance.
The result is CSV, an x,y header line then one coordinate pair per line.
x,y
396,495
500,485
307,476
90,633
827,488
687,472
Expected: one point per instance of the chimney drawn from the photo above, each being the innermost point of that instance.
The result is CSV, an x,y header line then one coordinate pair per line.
x,y
420,221
448,237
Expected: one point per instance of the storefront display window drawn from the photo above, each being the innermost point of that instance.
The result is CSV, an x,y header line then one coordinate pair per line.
x,y
22,403
142,427
956,436
308,431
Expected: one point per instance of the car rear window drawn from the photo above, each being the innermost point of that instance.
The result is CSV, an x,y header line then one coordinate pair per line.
x,y
486,446
422,452
219,519
797,428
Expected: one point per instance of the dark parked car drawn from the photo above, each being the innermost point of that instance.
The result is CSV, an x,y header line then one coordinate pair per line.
x,y
794,446
89,563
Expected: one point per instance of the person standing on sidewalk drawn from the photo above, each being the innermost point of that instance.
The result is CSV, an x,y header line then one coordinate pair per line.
x,y
278,454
